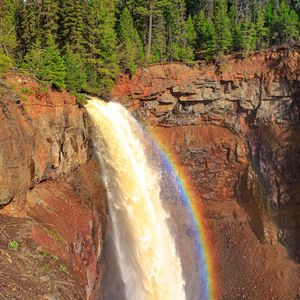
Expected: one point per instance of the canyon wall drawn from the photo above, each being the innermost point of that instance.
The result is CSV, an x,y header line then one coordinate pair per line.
x,y
50,179
234,126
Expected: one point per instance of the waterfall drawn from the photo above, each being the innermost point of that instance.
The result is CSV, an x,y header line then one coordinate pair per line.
x,y
150,267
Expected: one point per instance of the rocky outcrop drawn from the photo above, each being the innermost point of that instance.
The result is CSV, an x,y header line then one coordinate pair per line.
x,y
234,127
263,85
48,175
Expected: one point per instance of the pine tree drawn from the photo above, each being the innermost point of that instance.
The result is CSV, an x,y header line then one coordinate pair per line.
x,y
33,59
177,46
262,31
159,44
53,69
8,41
248,37
28,29
222,27
190,32
190,40
285,24
131,49
206,35
75,73
236,26
48,20
46,64
72,25
107,62
146,15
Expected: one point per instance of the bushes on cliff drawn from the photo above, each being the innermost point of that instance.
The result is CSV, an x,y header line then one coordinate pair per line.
x,y
5,62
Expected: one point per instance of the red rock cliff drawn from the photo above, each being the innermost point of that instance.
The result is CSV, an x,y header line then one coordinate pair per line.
x,y
234,126
50,179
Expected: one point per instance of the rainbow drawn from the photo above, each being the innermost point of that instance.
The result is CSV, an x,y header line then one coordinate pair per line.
x,y
188,196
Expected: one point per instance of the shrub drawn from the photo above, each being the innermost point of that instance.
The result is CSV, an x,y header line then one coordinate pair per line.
x,y
5,62
14,245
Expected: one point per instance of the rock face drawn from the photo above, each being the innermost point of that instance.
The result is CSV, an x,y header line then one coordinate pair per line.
x,y
48,175
234,126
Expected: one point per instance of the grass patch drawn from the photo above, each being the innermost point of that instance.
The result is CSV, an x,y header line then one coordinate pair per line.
x,y
13,245
43,88
56,236
63,269
44,253
25,90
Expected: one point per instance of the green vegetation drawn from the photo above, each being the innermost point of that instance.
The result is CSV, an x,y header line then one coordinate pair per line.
x,y
83,45
44,253
131,48
25,90
14,245
63,269
6,62
55,235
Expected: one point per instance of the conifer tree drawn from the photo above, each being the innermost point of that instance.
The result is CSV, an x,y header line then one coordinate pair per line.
x,y
248,36
107,63
131,49
75,73
28,28
190,40
190,32
285,24
53,69
262,31
159,44
84,32
206,35
48,20
236,27
8,39
146,15
72,25
222,27
177,47
33,59
46,64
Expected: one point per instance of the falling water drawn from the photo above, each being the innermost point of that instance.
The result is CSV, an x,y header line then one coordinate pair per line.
x,y
150,267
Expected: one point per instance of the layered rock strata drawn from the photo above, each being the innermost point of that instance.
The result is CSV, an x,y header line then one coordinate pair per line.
x,y
234,126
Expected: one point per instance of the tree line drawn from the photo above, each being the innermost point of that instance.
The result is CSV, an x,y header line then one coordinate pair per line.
x,y
82,45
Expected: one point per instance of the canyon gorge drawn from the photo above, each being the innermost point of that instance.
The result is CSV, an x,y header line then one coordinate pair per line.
x,y
232,126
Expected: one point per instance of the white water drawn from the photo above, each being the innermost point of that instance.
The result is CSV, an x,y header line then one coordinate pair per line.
x,y
150,267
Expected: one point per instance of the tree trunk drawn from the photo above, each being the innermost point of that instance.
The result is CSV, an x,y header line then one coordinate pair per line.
x,y
149,36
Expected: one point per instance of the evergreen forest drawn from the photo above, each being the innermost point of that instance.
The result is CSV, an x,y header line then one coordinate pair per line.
x,y
82,45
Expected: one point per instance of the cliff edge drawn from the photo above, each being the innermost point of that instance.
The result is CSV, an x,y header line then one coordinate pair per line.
x,y
51,189
233,126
